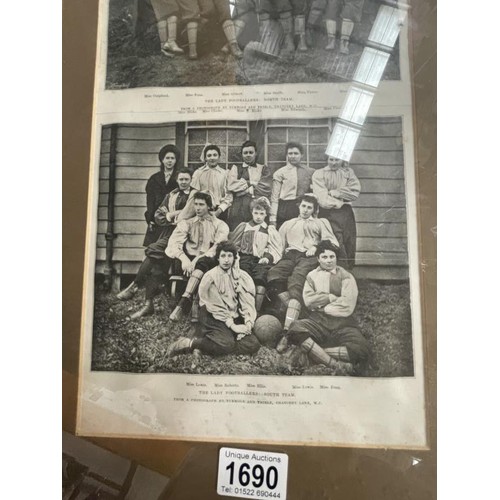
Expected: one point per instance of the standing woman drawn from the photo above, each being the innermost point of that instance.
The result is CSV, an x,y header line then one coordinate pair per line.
x,y
247,182
290,183
213,178
336,187
158,186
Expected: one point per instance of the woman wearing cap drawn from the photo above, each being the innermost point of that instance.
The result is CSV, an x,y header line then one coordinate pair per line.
x,y
158,186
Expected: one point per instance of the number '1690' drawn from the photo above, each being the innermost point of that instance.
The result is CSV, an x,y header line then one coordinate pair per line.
x,y
256,475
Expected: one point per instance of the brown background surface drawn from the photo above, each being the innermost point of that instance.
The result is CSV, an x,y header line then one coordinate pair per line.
x,y
314,473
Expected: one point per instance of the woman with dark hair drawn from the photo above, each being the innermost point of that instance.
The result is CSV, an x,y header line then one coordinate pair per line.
x,y
336,187
260,246
290,183
194,242
227,310
247,182
213,178
154,270
158,186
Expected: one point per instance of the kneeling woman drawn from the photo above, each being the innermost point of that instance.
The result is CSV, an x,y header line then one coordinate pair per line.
x,y
227,310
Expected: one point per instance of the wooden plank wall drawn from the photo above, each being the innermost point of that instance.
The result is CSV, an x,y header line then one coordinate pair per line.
x,y
380,210
136,161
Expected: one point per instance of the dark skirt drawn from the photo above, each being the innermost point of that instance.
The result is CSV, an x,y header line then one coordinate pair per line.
x,y
152,235
287,209
344,227
154,270
156,249
215,338
258,272
240,211
329,331
290,274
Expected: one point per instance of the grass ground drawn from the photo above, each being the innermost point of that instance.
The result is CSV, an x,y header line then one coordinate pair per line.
x,y
139,346
136,61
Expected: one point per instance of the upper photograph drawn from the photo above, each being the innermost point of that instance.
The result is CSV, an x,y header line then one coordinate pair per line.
x,y
176,43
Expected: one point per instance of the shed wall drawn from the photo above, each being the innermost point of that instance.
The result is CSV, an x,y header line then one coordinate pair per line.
x,y
377,160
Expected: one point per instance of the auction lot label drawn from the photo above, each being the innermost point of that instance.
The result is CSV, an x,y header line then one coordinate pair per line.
x,y
252,474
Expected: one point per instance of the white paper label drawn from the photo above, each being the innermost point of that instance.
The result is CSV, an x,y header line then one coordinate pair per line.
x,y
252,474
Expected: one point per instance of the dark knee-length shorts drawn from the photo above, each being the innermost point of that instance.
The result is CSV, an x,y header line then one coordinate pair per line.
x,y
344,227
215,9
328,331
291,273
296,7
258,272
243,9
187,10
345,9
218,339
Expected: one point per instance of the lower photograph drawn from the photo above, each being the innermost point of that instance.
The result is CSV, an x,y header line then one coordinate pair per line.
x,y
245,277
242,248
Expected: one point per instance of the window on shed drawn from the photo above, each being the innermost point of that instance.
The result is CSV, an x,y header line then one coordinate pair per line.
x,y
313,134
227,135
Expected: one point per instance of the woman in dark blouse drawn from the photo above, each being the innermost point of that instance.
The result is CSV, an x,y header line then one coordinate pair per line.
x,y
158,186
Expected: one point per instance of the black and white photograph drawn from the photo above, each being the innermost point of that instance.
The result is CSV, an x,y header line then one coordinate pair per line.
x,y
198,43
241,248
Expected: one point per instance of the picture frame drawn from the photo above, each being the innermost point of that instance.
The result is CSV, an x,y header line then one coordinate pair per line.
x,y
231,436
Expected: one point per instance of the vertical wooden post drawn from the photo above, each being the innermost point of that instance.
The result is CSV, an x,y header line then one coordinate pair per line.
x,y
110,235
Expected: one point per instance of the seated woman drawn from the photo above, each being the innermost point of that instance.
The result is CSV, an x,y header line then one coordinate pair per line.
x,y
211,10
227,310
194,243
260,246
329,335
300,237
167,13
153,272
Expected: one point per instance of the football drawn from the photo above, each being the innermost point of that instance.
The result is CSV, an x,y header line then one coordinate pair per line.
x,y
268,329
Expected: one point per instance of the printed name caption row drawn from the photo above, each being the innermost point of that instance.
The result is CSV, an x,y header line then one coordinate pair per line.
x,y
252,474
